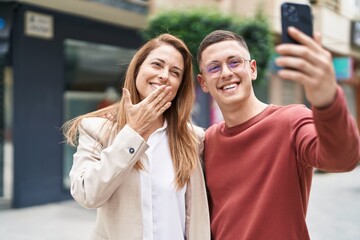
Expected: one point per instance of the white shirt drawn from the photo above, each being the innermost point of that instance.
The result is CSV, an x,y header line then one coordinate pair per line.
x,y
163,207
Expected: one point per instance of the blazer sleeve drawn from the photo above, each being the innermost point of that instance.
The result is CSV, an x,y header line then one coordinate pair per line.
x,y
98,170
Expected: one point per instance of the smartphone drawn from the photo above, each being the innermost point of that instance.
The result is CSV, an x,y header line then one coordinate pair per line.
x,y
298,16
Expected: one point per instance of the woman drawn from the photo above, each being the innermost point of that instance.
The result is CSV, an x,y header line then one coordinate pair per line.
x,y
140,165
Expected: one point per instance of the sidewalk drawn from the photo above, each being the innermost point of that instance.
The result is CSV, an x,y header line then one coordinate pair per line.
x,y
334,206
333,214
58,221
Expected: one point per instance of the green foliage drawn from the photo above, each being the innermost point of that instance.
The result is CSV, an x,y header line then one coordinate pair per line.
x,y
259,40
193,25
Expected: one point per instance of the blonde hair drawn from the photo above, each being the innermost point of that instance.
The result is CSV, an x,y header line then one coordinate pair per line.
x,y
182,137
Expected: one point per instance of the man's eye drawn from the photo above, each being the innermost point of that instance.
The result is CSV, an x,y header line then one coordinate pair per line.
x,y
213,68
234,63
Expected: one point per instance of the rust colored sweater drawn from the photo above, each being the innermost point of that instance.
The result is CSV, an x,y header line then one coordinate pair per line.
x,y
259,173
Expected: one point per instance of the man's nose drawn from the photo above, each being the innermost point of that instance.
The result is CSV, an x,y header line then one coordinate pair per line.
x,y
226,70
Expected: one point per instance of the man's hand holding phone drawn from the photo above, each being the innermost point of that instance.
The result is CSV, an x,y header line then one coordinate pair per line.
x,y
304,60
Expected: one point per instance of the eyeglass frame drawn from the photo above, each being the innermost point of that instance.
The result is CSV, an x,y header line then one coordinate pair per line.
x,y
227,64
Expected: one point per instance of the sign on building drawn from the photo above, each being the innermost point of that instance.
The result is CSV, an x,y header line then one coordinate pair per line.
x,y
39,25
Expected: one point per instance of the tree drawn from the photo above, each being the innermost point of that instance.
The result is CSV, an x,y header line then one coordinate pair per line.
x,y
193,25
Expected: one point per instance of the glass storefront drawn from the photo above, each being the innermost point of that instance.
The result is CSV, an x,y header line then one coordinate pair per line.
x,y
2,66
6,142
94,73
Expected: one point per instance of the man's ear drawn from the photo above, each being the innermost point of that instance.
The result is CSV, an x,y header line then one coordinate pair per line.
x,y
253,69
202,83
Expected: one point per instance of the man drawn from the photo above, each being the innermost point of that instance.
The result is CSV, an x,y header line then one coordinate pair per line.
x,y
259,162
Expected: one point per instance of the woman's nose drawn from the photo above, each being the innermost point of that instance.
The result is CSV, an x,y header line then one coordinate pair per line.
x,y
164,74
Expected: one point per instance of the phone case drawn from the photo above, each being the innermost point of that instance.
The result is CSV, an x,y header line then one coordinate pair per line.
x,y
297,15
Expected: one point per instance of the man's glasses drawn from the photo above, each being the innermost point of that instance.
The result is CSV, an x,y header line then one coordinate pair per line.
x,y
235,64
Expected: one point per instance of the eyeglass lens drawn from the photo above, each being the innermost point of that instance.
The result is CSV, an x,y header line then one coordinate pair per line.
x,y
235,64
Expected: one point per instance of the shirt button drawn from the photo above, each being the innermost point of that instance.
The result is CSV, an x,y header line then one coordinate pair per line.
x,y
131,150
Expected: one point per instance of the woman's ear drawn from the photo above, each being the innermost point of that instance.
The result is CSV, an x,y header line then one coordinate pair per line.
x,y
202,83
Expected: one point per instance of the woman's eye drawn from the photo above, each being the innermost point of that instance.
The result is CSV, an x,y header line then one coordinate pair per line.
x,y
176,73
157,64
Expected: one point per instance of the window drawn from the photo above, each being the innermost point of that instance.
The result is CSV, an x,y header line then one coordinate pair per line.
x,y
332,4
139,2
140,6
93,74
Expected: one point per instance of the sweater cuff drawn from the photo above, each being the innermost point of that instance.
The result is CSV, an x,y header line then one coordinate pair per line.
x,y
334,109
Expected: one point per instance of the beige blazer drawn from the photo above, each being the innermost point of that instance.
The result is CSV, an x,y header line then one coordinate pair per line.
x,y
103,177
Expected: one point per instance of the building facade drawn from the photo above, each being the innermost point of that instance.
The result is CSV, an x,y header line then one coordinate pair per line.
x,y
58,59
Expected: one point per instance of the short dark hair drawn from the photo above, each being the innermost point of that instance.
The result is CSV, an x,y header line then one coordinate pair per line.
x,y
219,36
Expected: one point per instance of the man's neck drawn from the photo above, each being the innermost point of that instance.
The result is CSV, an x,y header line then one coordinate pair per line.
x,y
242,112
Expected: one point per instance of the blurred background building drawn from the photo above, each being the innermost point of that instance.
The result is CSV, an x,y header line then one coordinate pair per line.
x,y
58,59
61,58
